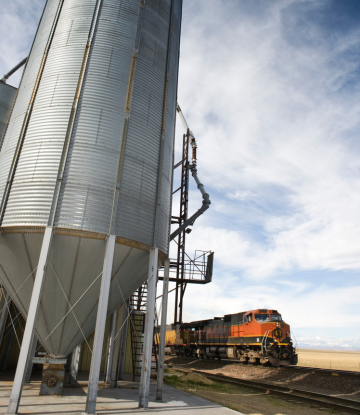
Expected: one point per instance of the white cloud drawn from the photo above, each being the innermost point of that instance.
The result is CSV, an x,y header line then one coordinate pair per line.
x,y
274,124
18,23
277,128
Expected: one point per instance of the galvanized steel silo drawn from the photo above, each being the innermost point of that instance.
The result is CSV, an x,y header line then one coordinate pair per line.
x,y
89,151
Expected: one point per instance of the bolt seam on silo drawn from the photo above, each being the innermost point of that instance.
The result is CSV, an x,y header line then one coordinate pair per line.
x,y
70,127
126,122
173,156
27,116
163,137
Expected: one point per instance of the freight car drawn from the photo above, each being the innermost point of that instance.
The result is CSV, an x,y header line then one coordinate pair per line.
x,y
256,336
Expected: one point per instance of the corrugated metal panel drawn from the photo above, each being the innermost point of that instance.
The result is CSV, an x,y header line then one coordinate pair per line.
x,y
163,223
33,187
90,175
92,164
25,91
7,98
138,191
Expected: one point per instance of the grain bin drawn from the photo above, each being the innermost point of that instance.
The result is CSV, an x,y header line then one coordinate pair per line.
x,y
88,153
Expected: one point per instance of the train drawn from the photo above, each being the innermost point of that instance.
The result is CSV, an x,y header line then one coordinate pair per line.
x,y
257,336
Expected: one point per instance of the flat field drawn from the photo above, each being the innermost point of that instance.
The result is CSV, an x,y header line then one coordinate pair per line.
x,y
329,359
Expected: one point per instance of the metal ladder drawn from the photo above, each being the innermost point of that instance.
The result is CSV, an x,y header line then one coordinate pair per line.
x,y
137,325
263,342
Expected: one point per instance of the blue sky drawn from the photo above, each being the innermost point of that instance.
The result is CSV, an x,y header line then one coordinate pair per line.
x,y
271,92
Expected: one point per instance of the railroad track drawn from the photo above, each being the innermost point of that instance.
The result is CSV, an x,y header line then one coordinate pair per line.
x,y
334,372
289,394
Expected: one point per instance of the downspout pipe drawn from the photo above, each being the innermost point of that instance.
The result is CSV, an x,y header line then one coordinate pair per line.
x,y
13,70
205,204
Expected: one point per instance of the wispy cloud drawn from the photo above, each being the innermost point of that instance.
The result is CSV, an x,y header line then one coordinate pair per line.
x,y
283,140
271,90
18,22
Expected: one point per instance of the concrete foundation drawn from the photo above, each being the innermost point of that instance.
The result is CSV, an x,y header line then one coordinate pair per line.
x,y
122,400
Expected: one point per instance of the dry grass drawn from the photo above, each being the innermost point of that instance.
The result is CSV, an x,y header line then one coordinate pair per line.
x,y
329,359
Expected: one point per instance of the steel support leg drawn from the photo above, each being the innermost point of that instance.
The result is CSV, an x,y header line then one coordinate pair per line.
x,y
160,371
100,326
149,330
30,323
30,362
123,341
110,346
75,361
117,343
4,313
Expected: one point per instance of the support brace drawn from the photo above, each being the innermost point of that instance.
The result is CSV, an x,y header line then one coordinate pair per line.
x,y
149,330
100,327
75,361
160,371
119,315
110,347
123,341
30,323
30,362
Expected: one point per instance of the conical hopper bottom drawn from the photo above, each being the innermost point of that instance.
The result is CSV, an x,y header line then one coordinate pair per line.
x,y
68,307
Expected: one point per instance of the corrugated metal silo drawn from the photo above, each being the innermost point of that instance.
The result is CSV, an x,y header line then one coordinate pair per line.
x,y
88,151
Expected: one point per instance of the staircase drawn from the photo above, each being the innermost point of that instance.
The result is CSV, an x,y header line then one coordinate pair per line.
x,y
137,325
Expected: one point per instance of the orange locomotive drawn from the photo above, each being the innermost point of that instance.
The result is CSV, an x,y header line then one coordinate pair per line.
x,y
256,336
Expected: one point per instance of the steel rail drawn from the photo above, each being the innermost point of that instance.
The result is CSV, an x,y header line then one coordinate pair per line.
x,y
334,372
300,396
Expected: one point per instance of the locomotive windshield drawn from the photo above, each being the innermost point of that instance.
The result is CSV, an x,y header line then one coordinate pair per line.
x,y
276,317
262,317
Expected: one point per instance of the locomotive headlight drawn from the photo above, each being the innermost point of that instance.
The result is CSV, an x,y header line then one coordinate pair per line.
x,y
277,324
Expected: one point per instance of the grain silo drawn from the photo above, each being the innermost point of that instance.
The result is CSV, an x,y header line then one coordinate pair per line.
x,y
88,155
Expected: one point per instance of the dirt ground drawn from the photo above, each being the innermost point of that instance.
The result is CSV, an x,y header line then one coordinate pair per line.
x,y
243,400
329,359
345,387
